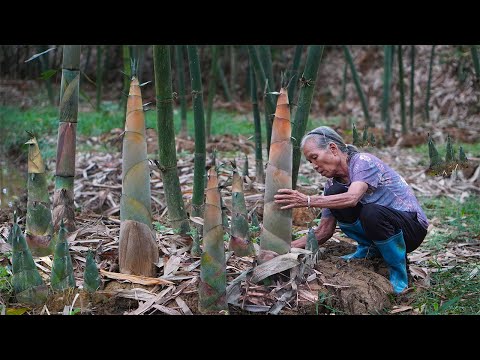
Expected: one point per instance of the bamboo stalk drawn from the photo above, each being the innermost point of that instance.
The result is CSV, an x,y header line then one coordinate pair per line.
x,y
233,69
127,75
63,205
181,88
240,242
44,65
308,81
166,139
476,62
402,91
199,123
276,234
223,81
260,175
266,59
269,98
138,250
211,90
62,277
39,226
99,78
387,78
412,83
91,276
293,75
358,86
28,285
427,98
212,287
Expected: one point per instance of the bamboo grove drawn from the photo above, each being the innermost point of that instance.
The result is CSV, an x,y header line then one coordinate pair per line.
x,y
48,225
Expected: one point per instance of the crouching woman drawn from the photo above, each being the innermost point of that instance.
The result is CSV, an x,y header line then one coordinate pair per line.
x,y
370,201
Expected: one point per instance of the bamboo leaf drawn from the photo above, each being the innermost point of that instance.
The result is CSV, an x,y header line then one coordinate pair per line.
x,y
48,74
39,54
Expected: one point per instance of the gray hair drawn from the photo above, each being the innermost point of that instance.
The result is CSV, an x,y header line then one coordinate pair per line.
x,y
325,135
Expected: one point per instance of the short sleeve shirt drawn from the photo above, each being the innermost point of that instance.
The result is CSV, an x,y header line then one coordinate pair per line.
x,y
385,186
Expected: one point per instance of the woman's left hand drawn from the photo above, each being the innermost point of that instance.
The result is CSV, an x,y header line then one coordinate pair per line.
x,y
290,199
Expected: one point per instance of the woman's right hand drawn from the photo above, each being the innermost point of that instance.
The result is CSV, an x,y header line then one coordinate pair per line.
x,y
300,242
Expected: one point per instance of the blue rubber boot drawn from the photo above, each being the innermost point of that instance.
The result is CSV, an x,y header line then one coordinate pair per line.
x,y
394,253
365,248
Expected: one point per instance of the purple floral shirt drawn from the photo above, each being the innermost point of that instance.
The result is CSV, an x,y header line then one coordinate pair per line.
x,y
385,186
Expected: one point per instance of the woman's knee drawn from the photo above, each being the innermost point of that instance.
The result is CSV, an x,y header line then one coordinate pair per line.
x,y
375,222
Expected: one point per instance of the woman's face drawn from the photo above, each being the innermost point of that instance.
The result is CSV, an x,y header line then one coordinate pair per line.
x,y
326,162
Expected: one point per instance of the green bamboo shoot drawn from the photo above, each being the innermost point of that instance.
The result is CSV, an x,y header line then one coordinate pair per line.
x,y
240,242
450,155
356,136
312,243
27,283
276,234
63,205
39,226
138,250
62,269
91,276
212,288
436,162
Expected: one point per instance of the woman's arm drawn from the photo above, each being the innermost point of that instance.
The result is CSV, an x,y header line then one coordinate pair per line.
x,y
323,232
293,198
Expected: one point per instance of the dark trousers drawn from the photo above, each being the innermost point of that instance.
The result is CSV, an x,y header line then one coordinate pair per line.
x,y
380,222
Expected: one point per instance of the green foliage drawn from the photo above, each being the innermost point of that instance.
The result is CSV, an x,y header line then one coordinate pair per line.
x,y
5,280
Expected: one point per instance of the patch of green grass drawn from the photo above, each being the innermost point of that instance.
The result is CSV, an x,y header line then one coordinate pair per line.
x,y
455,290
5,281
462,221
43,122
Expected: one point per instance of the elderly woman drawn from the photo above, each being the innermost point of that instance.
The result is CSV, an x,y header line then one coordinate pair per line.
x,y
371,202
